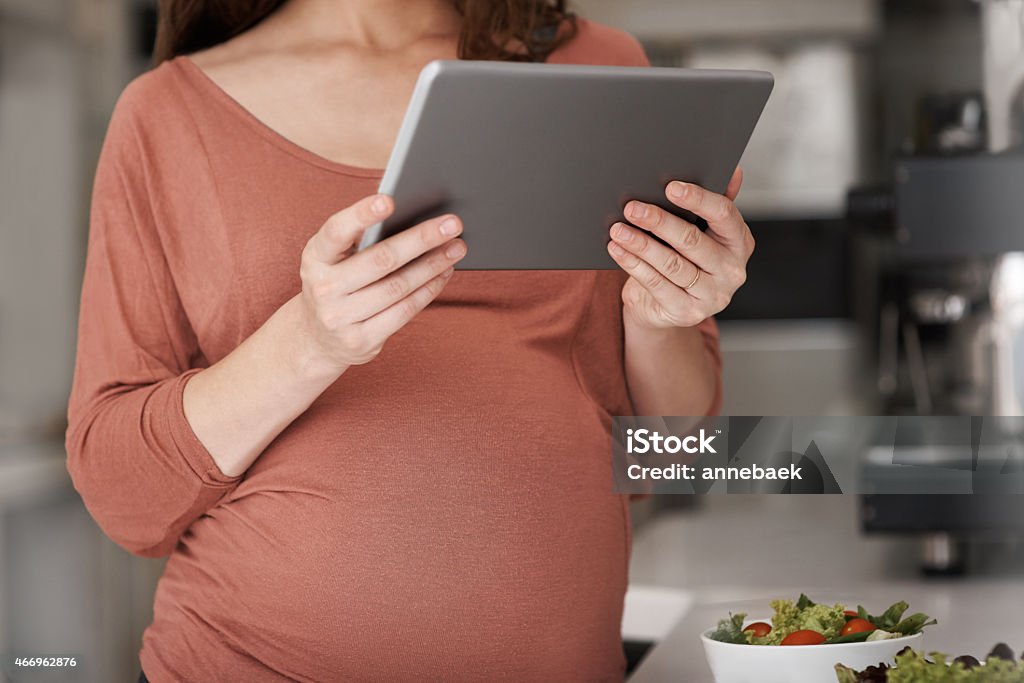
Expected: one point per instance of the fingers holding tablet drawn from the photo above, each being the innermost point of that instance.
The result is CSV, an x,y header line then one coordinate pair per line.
x,y
383,293
670,263
652,298
725,222
341,232
395,317
355,301
684,237
692,275
726,228
387,256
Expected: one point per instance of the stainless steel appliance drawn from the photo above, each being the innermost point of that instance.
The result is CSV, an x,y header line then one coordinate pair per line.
x,y
943,248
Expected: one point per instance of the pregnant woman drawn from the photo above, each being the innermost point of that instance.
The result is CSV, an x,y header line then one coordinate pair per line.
x,y
361,465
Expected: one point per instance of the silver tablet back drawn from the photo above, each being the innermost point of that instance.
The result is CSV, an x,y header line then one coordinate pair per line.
x,y
538,160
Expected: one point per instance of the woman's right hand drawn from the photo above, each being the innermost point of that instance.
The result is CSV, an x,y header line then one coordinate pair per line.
x,y
354,301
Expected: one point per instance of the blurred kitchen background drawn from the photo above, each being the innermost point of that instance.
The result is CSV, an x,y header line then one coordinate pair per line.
x,y
887,199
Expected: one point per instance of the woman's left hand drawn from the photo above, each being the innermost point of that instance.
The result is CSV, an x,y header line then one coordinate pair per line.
x,y
696,276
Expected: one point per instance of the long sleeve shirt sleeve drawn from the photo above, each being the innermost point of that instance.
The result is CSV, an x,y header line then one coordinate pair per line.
x,y
132,455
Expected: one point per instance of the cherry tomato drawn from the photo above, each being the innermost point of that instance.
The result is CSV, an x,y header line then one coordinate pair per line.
x,y
759,629
850,613
805,637
857,626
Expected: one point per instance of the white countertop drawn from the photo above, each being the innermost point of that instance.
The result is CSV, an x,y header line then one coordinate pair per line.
x,y
973,615
736,553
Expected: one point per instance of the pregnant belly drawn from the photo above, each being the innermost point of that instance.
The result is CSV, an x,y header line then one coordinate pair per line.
x,y
413,529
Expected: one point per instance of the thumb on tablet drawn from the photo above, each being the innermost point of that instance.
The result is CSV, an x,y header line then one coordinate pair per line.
x,y
341,232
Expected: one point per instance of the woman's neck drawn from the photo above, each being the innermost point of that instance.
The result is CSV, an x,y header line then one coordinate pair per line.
x,y
378,25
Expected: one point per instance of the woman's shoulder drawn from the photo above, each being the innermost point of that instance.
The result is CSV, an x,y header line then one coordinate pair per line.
x,y
161,109
596,43
153,101
152,92
144,99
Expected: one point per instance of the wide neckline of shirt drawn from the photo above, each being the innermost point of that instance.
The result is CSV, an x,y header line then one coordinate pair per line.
x,y
200,80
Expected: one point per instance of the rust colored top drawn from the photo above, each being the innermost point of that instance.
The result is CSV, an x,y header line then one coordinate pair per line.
x,y
442,513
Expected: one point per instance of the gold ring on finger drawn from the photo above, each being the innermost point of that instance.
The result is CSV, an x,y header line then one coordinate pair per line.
x,y
694,280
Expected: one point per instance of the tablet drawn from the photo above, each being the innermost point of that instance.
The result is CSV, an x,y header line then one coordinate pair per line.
x,y
538,160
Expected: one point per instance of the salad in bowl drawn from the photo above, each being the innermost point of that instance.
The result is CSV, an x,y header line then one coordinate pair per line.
x,y
804,622
803,641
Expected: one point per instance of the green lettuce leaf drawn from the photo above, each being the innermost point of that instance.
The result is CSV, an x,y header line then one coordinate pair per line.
x,y
804,602
915,623
845,674
730,630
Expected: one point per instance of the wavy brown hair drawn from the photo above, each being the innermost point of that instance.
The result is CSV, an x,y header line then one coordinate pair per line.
x,y
507,30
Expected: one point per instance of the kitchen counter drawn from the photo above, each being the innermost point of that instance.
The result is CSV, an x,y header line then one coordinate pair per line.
x,y
973,615
736,553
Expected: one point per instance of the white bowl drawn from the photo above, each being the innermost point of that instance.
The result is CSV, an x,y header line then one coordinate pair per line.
x,y
732,663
